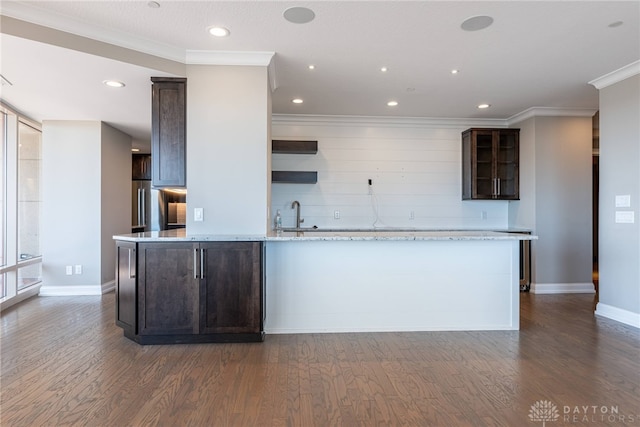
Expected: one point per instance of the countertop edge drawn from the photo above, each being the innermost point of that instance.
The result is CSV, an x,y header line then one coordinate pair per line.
x,y
348,235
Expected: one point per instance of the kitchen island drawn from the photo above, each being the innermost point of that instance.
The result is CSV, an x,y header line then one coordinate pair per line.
x,y
392,280
175,287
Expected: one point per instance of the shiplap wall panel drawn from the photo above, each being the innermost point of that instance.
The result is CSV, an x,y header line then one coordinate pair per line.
x,y
414,169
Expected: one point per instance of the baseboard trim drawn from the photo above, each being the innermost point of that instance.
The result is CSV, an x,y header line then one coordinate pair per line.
x,y
619,315
67,291
108,286
562,288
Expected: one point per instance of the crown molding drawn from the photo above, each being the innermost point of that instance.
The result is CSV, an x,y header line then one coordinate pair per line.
x,y
616,76
215,57
550,112
35,15
408,122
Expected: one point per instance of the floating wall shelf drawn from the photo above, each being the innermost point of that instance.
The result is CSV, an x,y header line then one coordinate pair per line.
x,y
280,146
294,177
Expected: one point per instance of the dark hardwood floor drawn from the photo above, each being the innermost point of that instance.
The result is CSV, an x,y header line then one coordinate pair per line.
x,y
64,362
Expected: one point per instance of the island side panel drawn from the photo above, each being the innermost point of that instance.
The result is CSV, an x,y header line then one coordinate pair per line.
x,y
351,286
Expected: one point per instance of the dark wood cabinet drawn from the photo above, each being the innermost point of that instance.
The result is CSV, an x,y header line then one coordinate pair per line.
x,y
190,291
231,287
490,164
168,132
141,167
168,289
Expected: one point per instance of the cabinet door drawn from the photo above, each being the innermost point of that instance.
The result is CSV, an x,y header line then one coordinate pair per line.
x,y
168,129
141,167
230,299
126,286
507,161
168,288
484,173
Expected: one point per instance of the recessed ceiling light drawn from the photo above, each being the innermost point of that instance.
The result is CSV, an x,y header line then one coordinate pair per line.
x,y
312,67
392,103
297,101
384,69
218,31
153,4
615,24
455,71
476,23
113,83
299,15
483,106
411,89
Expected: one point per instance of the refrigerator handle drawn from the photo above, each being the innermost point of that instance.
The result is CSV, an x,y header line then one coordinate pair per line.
x,y
138,210
144,207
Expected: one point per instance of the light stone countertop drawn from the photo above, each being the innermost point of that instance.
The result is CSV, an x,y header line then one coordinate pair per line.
x,y
180,235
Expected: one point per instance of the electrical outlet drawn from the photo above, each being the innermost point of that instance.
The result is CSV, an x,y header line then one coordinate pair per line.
x,y
69,270
483,215
336,214
78,269
412,215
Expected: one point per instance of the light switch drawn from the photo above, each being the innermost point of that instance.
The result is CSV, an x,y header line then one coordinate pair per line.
x,y
198,214
625,217
623,201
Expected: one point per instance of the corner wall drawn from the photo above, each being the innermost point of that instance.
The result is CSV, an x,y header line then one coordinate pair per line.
x,y
228,124
619,243
82,204
556,201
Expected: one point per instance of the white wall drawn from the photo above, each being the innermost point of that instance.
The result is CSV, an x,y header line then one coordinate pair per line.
x,y
227,149
415,167
75,203
556,201
619,249
115,208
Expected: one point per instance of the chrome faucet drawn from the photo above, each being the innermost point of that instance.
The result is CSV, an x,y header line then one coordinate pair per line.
x,y
296,205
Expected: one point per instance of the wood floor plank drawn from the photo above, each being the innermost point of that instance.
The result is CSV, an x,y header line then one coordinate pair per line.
x,y
65,363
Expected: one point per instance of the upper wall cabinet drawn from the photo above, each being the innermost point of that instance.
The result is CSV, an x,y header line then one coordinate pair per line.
x,y
490,164
141,167
168,132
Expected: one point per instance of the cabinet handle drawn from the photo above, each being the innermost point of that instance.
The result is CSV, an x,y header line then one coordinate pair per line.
x,y
195,264
499,191
202,263
131,276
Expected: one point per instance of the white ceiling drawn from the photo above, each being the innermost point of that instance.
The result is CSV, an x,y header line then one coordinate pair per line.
x,y
536,54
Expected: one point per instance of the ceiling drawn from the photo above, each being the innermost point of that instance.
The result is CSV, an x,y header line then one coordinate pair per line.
x,y
535,54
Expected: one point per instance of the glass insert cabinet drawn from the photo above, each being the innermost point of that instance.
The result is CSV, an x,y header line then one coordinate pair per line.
x,y
490,164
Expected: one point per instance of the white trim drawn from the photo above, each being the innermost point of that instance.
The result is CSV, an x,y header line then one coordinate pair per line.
x,y
563,288
63,23
617,75
619,315
65,291
108,286
549,112
215,57
428,122
28,293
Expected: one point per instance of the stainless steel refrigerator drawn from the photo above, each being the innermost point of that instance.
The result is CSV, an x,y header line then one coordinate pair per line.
x,y
155,210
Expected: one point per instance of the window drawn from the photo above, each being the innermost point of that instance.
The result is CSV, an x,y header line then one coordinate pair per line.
x,y
20,207
3,222
29,204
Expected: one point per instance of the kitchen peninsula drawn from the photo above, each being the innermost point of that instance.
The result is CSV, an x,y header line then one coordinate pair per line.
x,y
209,288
